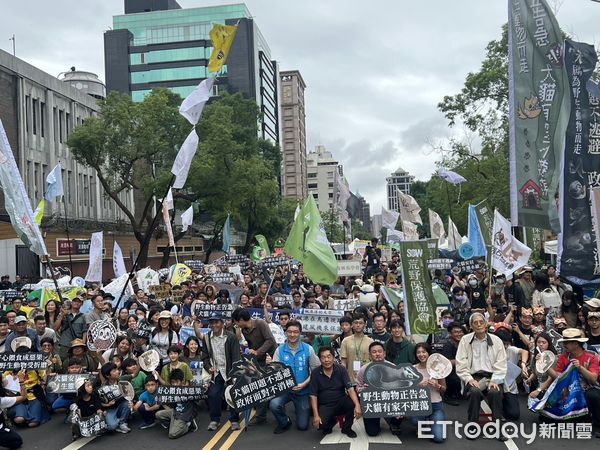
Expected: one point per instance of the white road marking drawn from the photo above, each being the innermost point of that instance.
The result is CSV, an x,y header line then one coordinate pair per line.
x,y
79,443
510,444
362,440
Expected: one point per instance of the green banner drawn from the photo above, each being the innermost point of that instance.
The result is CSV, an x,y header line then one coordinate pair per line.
x,y
538,112
533,239
420,302
485,217
432,247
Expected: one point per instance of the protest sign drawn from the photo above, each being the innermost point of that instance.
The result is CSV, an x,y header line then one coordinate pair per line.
x,y
177,294
59,384
234,292
194,264
393,390
163,272
275,261
149,360
204,310
349,268
241,260
10,294
255,385
320,321
346,304
17,361
440,263
143,330
160,291
222,277
179,394
109,392
564,398
282,299
92,426
146,278
470,265
101,335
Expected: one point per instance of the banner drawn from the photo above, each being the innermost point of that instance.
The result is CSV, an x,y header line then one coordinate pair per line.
x,y
436,226
393,237
183,160
389,219
25,361
538,112
308,243
187,218
222,37
54,184
410,231
474,233
146,278
16,200
179,394
454,237
419,301
59,384
564,399
485,217
226,235
191,108
509,254
581,170
94,272
118,261
409,208
263,244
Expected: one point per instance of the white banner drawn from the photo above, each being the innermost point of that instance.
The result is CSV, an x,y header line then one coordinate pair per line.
x,y
146,278
94,272
349,268
389,218
509,254
409,208
454,237
118,261
410,231
436,226
115,288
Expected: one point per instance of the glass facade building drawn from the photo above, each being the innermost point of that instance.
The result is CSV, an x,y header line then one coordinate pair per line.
x,y
170,47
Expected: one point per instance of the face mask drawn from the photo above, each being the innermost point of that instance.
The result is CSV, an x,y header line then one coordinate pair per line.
x,y
472,283
446,322
500,282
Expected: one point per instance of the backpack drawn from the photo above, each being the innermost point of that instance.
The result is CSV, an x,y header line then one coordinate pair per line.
x,y
550,298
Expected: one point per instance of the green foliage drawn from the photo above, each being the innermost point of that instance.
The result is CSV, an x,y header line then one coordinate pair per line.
x,y
359,231
333,226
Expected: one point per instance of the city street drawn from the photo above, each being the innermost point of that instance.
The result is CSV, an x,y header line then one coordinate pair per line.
x,y
55,435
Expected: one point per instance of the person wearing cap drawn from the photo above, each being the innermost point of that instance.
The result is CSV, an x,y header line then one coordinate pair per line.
x,y
164,336
587,364
527,284
481,366
21,330
220,350
71,323
593,332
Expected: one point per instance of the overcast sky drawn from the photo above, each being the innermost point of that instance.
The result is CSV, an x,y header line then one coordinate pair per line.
x,y
375,71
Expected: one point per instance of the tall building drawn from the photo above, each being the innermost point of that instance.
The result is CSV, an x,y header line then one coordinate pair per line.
x,y
293,135
376,225
323,173
399,180
364,212
156,43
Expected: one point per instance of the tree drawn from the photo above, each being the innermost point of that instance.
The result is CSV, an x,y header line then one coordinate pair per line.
x,y
333,226
131,146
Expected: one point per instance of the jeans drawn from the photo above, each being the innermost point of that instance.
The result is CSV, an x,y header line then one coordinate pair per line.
x,y
148,416
437,415
216,394
510,406
301,405
62,403
117,415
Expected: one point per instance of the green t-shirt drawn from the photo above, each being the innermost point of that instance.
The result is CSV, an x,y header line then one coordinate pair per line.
x,y
139,383
165,373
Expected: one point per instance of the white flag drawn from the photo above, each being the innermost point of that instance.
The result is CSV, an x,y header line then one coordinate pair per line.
x,y
183,161
410,231
187,218
192,106
169,199
343,194
167,219
94,272
454,237
409,208
394,236
146,278
509,254
297,211
389,218
115,287
436,226
118,261
54,184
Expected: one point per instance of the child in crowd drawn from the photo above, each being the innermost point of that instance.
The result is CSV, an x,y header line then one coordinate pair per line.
x,y
174,354
134,375
180,418
147,405
88,403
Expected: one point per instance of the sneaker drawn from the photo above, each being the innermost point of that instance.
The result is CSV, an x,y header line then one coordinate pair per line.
x,y
123,428
283,429
213,426
164,425
145,426
193,426
350,433
235,426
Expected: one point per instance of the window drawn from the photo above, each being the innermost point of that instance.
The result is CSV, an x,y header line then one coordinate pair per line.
x,y
43,119
34,104
61,115
312,186
316,196
330,185
311,175
27,113
55,123
67,124
330,195
176,73
36,184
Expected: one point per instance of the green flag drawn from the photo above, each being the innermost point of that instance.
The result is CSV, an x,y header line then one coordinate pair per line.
x,y
308,244
420,302
262,242
485,217
539,107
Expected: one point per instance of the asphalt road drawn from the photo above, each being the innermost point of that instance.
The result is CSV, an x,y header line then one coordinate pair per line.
x,y
56,435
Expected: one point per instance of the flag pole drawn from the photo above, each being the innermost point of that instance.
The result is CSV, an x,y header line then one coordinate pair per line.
x,y
144,244
68,237
49,262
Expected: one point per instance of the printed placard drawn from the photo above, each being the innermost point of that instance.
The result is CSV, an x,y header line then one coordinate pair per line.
x,y
282,299
60,384
160,291
440,263
316,321
346,304
101,335
110,392
18,361
275,261
10,294
220,277
470,265
349,268
177,295
143,330
93,426
179,394
194,264
255,384
393,390
204,310
242,260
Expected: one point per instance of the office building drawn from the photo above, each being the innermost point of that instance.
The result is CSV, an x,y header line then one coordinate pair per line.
x,y
293,135
159,44
323,175
364,212
399,180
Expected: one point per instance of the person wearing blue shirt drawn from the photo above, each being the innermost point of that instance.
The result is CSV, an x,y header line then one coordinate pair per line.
x,y
302,359
146,405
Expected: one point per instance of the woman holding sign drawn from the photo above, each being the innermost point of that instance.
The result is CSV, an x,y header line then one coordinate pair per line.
x,y
437,387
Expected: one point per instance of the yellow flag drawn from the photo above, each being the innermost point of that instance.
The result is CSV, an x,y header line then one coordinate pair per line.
x,y
39,212
222,37
179,273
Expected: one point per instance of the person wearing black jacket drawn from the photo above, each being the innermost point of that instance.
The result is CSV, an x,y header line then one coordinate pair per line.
x,y
220,350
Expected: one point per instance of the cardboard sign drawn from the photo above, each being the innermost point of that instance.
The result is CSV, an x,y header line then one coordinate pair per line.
x,y
349,268
160,291
204,310
194,264
93,426
18,361
440,263
60,384
255,385
177,295
109,392
179,394
394,391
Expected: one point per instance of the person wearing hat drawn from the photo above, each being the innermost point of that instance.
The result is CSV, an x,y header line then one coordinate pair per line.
x,y
164,336
587,364
593,332
78,349
220,350
71,323
527,284
593,304
21,330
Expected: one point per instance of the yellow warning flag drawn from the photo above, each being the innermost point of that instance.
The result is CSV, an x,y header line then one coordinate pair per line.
x,y
39,212
222,37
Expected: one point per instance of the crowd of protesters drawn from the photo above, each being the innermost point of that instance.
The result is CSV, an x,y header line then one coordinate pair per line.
x,y
488,321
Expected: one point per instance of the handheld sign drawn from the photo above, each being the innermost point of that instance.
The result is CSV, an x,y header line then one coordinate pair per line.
x,y
204,310
545,361
127,390
101,335
149,360
180,394
160,291
26,361
110,392
393,390
93,426
61,384
143,330
438,366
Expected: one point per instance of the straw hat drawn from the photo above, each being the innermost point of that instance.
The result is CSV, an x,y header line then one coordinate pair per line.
x,y
77,343
593,302
573,335
165,315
